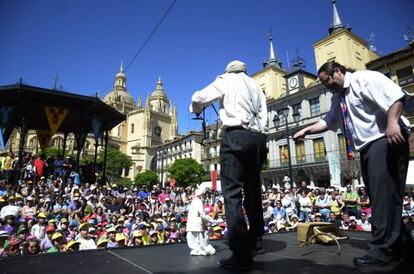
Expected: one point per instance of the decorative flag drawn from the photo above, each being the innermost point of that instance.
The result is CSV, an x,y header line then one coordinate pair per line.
x,y
284,153
214,179
5,114
96,128
2,144
43,136
5,120
55,116
80,138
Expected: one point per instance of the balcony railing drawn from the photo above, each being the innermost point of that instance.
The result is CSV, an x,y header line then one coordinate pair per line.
x,y
206,156
406,81
308,159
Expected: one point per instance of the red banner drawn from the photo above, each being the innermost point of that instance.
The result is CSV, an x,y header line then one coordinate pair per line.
x,y
214,179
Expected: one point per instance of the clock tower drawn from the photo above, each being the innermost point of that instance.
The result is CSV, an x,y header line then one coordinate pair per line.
x,y
298,78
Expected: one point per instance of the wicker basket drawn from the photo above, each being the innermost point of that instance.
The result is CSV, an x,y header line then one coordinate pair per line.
x,y
320,229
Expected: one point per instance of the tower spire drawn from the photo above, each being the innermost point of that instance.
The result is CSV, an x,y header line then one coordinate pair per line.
x,y
272,61
120,78
372,47
408,36
336,24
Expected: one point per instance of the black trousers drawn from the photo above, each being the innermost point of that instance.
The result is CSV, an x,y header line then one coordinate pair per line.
x,y
242,154
384,170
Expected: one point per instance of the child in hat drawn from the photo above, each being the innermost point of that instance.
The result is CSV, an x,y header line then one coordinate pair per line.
x,y
197,237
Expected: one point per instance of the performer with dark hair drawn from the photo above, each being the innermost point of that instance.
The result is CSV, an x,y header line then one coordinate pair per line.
x,y
367,106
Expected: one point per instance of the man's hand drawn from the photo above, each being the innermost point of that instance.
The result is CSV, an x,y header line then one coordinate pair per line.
x,y
393,133
300,135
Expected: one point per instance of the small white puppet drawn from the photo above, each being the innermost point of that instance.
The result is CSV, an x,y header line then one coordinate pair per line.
x,y
197,236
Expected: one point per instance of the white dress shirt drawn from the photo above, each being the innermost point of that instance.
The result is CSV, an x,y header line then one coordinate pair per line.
x,y
368,96
239,95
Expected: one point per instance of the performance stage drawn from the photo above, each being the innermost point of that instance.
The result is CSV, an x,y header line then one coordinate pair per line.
x,y
282,255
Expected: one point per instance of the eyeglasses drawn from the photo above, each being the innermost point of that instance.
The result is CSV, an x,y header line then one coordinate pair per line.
x,y
327,81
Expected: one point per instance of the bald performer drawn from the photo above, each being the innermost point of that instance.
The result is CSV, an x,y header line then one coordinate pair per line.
x,y
243,150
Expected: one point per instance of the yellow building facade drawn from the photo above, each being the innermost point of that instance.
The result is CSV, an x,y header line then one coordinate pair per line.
x,y
344,47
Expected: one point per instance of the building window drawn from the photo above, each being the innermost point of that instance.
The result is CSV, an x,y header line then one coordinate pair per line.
x,y
132,128
300,152
342,144
405,76
33,142
283,155
282,118
319,149
409,105
315,107
297,108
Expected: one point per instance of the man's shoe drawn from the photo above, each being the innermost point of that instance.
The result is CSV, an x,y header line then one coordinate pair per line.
x,y
259,247
234,262
369,261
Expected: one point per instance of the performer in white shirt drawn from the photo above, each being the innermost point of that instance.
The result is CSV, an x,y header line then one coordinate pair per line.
x,y
243,150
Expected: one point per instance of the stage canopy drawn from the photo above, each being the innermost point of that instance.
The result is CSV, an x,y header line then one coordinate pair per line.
x,y
30,102
49,111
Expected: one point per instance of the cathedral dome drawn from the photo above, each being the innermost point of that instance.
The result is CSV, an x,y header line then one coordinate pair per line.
x,y
159,92
119,96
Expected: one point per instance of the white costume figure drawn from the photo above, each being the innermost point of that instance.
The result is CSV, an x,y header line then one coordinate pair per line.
x,y
197,238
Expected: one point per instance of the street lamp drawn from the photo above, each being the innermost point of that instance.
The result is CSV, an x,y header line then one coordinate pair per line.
x,y
162,153
276,121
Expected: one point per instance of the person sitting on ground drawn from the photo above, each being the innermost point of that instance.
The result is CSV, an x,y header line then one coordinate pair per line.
x,y
58,242
111,237
85,241
272,227
323,204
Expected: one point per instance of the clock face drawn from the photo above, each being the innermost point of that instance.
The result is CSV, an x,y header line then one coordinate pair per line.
x,y
293,82
157,130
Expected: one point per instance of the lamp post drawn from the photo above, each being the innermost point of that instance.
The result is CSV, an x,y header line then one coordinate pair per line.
x,y
276,122
162,153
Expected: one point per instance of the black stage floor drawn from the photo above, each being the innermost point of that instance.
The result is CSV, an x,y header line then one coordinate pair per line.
x,y
283,255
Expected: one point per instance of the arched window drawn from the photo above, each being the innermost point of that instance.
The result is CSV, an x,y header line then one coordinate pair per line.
x,y
132,128
33,142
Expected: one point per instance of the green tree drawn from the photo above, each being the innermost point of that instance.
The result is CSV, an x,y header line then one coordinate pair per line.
x,y
86,160
146,178
115,163
50,151
266,164
187,172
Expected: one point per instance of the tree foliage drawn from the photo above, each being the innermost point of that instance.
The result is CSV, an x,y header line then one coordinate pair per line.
x,y
146,178
50,151
115,163
187,172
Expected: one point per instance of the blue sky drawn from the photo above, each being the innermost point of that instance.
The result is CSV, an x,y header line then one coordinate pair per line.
x,y
84,41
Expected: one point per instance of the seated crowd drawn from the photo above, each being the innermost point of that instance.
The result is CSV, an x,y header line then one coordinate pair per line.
x,y
58,213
